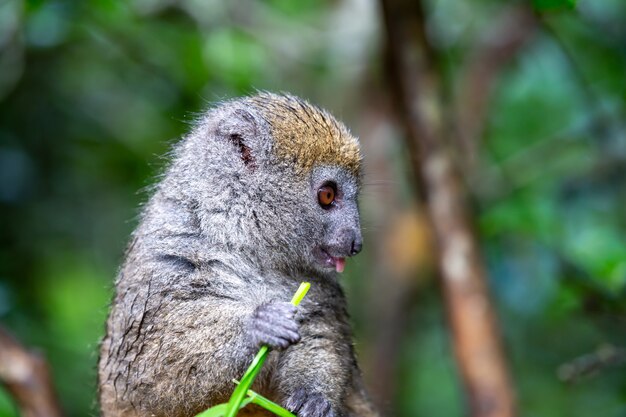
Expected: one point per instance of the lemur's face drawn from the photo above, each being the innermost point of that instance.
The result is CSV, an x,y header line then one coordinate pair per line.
x,y
312,163
333,193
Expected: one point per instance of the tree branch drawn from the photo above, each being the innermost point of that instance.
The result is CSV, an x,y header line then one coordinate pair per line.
x,y
510,33
605,356
417,88
27,378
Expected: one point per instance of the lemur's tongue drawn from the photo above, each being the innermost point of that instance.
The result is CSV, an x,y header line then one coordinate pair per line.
x,y
340,264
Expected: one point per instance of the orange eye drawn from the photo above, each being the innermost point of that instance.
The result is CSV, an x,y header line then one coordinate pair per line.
x,y
326,196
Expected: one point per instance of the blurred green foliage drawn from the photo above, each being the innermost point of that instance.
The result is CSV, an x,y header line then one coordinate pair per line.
x,y
92,94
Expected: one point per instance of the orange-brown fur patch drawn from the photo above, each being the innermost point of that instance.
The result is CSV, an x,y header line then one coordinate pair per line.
x,y
307,135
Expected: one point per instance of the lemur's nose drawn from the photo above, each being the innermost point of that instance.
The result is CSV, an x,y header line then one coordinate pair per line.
x,y
357,245
347,242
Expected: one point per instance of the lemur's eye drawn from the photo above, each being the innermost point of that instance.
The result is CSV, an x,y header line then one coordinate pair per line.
x,y
326,196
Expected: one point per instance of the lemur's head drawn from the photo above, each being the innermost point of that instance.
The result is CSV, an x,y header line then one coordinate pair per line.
x,y
283,175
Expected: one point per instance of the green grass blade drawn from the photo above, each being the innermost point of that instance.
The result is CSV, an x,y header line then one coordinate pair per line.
x,y
220,409
299,295
269,405
216,411
239,394
246,381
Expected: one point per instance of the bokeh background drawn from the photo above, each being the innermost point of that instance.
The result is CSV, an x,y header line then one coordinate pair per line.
x,y
93,93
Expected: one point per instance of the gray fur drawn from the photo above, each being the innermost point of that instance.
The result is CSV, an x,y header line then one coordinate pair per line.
x,y
221,247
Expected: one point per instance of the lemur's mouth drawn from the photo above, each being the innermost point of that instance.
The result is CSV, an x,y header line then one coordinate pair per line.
x,y
329,261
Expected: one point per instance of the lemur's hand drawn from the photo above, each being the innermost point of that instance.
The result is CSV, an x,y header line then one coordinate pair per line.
x,y
309,404
273,324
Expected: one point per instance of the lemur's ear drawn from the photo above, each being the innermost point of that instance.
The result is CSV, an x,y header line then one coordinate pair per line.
x,y
239,128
